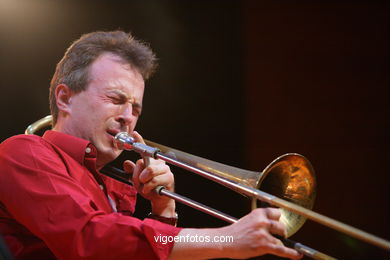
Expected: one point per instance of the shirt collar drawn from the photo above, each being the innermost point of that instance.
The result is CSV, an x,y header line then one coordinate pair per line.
x,y
77,148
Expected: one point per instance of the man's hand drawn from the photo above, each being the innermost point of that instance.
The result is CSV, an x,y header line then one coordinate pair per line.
x,y
147,177
252,236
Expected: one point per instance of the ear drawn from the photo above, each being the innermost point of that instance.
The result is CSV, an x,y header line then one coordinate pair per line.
x,y
63,98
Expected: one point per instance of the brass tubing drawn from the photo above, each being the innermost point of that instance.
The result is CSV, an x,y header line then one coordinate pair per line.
x,y
273,200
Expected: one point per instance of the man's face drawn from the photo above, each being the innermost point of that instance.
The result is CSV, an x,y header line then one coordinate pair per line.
x,y
111,103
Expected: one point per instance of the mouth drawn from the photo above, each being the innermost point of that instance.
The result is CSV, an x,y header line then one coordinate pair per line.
x,y
112,132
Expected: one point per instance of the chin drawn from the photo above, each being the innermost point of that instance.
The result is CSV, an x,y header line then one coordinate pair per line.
x,y
108,154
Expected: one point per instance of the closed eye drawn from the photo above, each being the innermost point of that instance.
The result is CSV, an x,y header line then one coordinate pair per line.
x,y
118,100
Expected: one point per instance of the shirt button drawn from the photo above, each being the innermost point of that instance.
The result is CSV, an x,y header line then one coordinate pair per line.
x,y
88,150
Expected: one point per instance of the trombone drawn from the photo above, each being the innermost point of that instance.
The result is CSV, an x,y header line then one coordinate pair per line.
x,y
290,176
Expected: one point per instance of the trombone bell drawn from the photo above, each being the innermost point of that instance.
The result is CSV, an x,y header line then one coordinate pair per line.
x,y
289,177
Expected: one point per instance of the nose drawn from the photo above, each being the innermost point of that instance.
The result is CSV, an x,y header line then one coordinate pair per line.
x,y
125,115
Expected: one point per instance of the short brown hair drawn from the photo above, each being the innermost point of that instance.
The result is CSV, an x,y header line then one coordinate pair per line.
x,y
73,71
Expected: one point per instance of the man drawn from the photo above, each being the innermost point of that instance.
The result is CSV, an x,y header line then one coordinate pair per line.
x,y
56,204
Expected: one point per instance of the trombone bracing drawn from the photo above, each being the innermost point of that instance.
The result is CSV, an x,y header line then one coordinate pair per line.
x,y
288,182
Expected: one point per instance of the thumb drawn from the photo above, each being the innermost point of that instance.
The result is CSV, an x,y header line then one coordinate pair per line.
x,y
136,171
137,137
129,166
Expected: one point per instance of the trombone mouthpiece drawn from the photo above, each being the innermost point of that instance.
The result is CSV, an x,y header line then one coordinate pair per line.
x,y
123,141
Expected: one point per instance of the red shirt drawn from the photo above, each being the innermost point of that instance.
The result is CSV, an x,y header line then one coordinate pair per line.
x,y
54,201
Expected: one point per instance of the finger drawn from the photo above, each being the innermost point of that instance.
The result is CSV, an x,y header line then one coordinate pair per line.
x,y
273,213
128,167
139,166
277,227
150,186
156,181
138,138
282,251
153,171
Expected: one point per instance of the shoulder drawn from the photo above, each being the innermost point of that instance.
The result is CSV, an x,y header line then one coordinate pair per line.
x,y
21,139
26,148
21,142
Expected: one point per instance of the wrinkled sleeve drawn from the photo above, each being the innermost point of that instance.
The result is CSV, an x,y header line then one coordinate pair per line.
x,y
39,193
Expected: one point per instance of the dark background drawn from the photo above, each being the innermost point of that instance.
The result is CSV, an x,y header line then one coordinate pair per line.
x,y
239,82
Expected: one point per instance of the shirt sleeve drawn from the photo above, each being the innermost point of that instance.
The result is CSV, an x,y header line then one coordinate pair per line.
x,y
38,192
